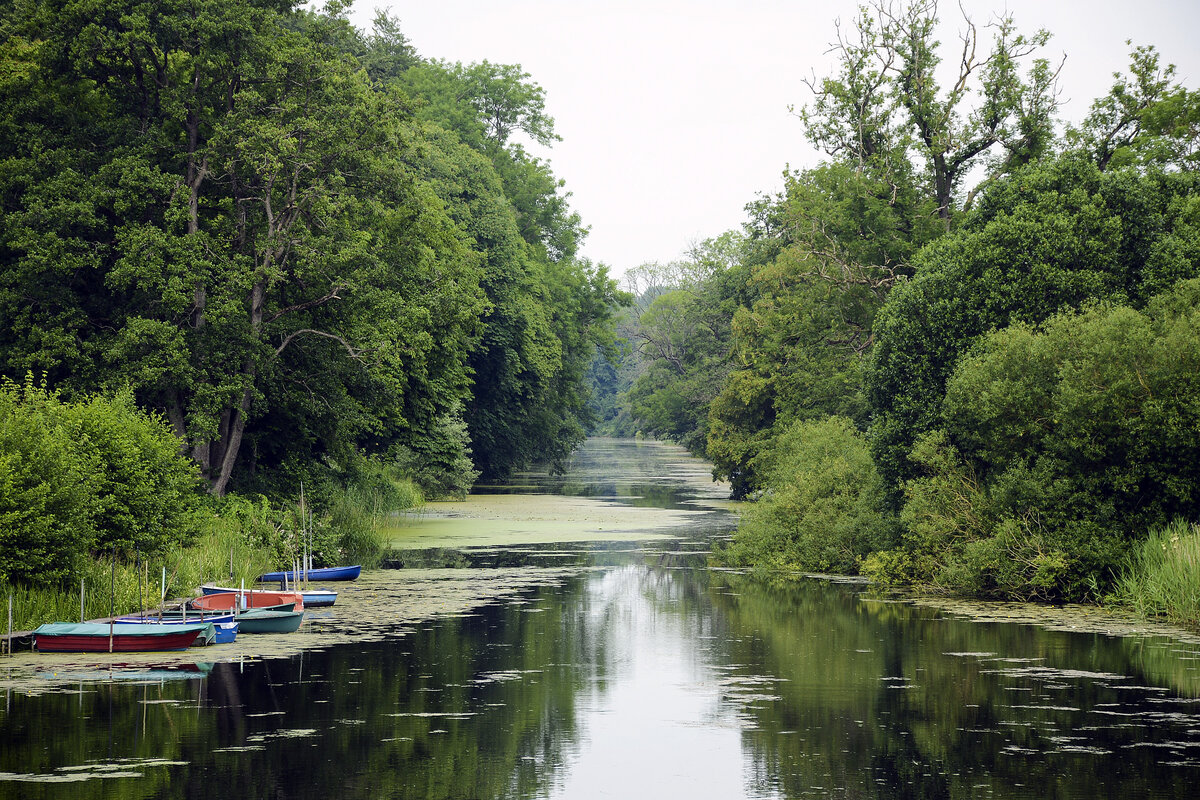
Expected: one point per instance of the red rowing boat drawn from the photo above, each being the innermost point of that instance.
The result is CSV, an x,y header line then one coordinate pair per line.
x,y
227,601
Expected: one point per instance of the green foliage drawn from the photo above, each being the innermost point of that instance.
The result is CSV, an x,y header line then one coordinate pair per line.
x,y
1053,237
888,108
91,476
1162,576
548,312
681,338
47,489
298,241
242,240
799,347
440,462
821,511
1144,119
1061,447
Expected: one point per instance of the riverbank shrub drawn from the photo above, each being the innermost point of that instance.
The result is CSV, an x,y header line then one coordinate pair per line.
x,y
822,509
1162,576
86,477
1061,446
1054,237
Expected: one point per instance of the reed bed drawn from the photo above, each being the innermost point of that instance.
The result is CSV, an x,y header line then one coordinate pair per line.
x,y
1162,578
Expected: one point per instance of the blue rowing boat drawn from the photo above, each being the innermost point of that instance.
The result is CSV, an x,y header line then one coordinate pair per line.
x,y
225,627
318,574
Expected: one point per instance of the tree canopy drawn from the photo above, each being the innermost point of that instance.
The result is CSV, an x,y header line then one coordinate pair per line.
x,y
297,241
941,347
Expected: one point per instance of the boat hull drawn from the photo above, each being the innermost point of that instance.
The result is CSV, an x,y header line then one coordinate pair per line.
x,y
319,599
85,637
227,601
314,598
226,632
258,621
318,574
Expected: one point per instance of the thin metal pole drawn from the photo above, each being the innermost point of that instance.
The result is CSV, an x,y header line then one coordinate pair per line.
x,y
112,599
10,639
81,603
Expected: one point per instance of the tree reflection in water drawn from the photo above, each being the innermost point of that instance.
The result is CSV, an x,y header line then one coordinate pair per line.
x,y
640,674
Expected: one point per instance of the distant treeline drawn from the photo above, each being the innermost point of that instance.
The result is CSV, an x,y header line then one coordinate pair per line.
x,y
964,350
314,255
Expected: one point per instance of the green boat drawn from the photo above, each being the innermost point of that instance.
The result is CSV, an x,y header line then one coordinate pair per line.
x,y
262,621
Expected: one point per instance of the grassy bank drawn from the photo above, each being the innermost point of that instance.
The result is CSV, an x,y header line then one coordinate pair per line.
x,y
236,543
1162,579
124,587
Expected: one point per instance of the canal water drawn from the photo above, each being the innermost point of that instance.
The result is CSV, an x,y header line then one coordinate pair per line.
x,y
503,660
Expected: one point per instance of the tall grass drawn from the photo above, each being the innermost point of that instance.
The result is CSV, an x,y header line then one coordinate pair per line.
x,y
105,588
1162,578
358,517
239,541
236,536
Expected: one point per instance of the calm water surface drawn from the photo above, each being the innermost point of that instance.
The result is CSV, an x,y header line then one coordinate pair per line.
x,y
635,672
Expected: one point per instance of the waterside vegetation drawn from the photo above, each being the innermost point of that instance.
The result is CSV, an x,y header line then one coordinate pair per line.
x,y
248,251
959,354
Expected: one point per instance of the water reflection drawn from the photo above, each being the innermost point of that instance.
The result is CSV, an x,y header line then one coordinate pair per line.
x,y
638,673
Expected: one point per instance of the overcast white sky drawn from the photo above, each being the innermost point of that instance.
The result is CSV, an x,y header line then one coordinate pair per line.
x,y
674,114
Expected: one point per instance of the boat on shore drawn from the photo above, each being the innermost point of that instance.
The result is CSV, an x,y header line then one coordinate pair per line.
x,y
317,574
119,637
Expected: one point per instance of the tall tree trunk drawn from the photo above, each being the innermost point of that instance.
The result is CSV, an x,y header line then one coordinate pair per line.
x,y
237,426
231,439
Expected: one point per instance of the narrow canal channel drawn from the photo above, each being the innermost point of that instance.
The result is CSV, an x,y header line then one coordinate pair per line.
x,y
562,637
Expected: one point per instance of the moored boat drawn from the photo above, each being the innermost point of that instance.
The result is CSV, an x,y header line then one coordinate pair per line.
x,y
228,601
225,626
119,637
226,631
318,598
257,620
317,574
313,598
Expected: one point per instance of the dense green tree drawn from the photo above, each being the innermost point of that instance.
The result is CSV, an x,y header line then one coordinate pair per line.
x,y
1060,447
847,237
549,311
682,338
1052,237
212,204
